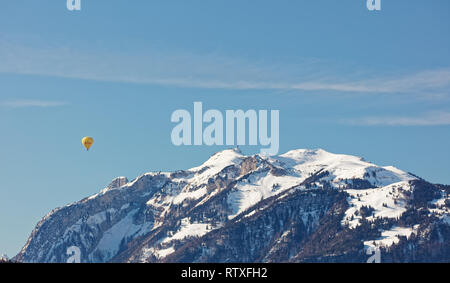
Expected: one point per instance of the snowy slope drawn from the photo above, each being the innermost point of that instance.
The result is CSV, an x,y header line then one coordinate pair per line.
x,y
387,202
342,167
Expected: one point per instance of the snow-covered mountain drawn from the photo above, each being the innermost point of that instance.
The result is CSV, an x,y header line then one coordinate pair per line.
x,y
304,205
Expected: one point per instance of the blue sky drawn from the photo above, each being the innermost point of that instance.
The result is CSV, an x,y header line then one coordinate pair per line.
x,y
372,84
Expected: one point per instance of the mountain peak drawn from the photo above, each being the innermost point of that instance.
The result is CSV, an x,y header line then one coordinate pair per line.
x,y
221,159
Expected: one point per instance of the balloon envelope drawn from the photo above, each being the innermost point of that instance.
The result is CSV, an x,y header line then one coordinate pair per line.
x,y
87,142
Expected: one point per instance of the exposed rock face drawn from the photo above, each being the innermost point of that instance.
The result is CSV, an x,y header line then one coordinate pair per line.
x,y
118,182
302,206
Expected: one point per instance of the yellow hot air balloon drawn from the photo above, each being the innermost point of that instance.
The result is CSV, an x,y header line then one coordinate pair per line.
x,y
87,142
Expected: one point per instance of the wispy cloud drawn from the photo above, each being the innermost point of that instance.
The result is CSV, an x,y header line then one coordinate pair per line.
x,y
437,118
415,83
31,103
212,71
418,82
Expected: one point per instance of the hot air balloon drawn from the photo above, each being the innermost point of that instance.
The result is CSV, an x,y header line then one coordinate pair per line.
x,y
87,142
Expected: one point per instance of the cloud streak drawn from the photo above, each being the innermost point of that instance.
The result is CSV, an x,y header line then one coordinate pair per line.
x,y
437,118
31,103
210,71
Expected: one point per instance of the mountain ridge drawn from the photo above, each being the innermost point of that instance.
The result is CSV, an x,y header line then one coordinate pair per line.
x,y
158,215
